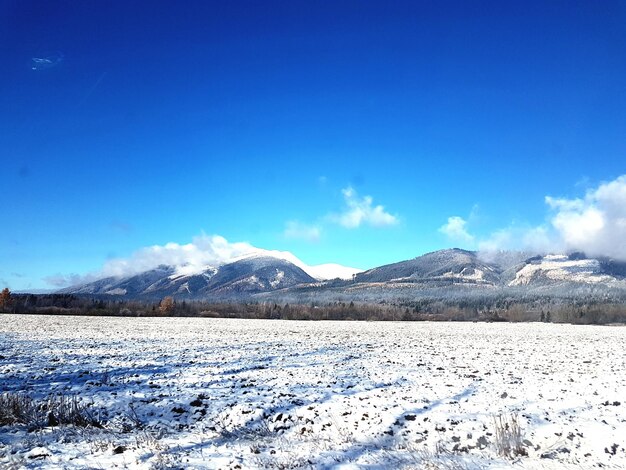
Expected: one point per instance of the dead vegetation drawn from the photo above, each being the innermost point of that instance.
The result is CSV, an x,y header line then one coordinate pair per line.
x,y
57,410
509,439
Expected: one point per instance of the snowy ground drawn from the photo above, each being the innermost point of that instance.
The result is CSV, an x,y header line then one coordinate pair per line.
x,y
197,393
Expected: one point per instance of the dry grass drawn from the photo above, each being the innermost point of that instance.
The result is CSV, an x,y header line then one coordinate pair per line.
x,y
509,439
19,408
410,456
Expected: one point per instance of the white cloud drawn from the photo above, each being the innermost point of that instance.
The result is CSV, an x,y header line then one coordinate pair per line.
x,y
191,258
360,210
594,224
298,230
532,239
537,240
499,240
540,240
357,211
455,229
204,250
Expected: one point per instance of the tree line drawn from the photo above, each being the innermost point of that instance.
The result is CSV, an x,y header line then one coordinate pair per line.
x,y
581,311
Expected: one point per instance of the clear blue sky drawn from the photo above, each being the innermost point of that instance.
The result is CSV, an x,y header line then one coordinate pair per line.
x,y
142,123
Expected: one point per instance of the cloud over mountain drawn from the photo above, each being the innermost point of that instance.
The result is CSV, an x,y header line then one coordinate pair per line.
x,y
203,251
594,224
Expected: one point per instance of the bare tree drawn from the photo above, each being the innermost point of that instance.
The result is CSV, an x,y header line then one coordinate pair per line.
x,y
167,305
5,299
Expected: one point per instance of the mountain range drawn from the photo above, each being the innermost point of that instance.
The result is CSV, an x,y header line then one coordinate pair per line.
x,y
280,274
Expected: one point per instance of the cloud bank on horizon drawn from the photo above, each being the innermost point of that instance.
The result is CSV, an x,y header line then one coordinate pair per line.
x,y
594,224
214,250
204,251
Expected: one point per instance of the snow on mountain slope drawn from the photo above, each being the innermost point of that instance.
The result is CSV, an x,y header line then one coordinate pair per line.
x,y
560,268
116,291
256,274
326,271
321,272
191,269
269,270
453,264
470,274
276,280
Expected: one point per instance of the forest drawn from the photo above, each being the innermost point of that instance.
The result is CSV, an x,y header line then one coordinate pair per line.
x,y
492,308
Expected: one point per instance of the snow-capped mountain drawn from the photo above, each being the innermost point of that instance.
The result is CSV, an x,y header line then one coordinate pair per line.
x,y
248,275
267,271
324,272
563,268
257,271
321,272
444,265
500,269
127,286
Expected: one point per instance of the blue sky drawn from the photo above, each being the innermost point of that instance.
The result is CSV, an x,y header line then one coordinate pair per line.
x,y
129,124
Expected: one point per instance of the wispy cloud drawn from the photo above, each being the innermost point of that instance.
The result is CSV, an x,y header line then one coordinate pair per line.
x,y
455,229
121,226
298,230
362,211
357,211
63,280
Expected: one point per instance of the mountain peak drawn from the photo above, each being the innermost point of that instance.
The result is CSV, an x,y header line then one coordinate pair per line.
x,y
266,271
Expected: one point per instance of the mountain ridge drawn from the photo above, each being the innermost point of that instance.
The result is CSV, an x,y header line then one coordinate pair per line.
x,y
264,274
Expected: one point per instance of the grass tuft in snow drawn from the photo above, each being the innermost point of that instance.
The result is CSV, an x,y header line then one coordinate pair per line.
x,y
19,408
509,440
409,456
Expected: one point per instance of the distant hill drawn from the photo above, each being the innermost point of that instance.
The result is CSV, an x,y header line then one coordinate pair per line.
x,y
440,273
452,264
251,275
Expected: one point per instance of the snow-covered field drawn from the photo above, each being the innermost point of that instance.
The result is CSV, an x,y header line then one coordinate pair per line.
x,y
196,393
